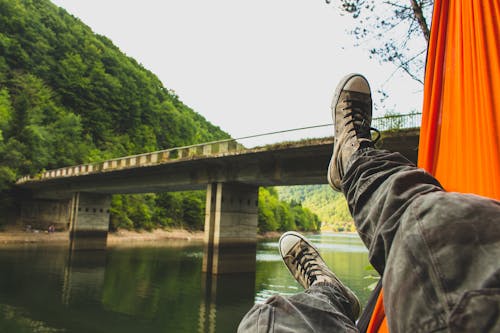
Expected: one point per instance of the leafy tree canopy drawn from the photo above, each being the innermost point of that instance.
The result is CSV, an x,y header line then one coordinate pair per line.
x,y
330,206
277,215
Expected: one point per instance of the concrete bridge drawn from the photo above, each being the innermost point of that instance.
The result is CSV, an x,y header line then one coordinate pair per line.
x,y
78,197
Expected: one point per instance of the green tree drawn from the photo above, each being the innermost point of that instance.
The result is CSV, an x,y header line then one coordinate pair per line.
x,y
279,215
169,211
330,206
193,210
267,219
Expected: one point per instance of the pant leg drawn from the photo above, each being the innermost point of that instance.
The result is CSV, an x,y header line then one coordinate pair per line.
x,y
320,308
439,252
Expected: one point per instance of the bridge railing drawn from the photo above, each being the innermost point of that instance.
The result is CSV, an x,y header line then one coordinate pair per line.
x,y
157,157
386,123
397,121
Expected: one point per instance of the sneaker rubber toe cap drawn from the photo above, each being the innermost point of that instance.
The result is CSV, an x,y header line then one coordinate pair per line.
x,y
287,242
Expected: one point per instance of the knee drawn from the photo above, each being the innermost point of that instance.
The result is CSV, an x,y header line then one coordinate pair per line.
x,y
442,208
259,316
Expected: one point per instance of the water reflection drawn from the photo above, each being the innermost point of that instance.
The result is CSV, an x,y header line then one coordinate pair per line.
x,y
83,275
148,288
226,298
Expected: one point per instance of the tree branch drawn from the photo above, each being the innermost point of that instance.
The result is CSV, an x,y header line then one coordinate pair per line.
x,y
419,15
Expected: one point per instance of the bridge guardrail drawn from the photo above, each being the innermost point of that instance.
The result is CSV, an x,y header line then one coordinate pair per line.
x,y
397,121
386,123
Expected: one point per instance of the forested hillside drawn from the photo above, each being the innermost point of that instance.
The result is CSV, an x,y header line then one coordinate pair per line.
x,y
330,206
69,96
278,214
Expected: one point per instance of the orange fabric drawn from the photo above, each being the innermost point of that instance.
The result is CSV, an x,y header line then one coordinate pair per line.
x,y
378,321
460,133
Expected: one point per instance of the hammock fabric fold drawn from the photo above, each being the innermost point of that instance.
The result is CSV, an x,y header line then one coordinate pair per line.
x,y
460,132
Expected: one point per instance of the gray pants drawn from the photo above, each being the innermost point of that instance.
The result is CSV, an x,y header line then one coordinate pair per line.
x,y
438,253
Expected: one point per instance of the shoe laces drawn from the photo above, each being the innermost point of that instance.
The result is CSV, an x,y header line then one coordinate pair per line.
x,y
359,119
306,263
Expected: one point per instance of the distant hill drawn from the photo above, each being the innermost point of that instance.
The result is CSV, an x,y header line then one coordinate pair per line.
x,y
330,206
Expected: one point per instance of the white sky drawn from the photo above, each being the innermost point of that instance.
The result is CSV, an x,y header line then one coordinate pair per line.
x,y
249,67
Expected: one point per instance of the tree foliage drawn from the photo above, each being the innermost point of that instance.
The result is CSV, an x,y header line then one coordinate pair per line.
x,y
171,210
392,31
330,206
59,79
277,215
187,210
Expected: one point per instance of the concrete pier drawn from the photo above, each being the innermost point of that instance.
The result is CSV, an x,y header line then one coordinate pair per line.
x,y
231,218
42,213
89,221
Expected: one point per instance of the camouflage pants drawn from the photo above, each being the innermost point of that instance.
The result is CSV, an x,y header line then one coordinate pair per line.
x,y
438,252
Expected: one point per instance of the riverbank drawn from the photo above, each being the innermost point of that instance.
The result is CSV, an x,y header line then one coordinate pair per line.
x,y
122,236
17,235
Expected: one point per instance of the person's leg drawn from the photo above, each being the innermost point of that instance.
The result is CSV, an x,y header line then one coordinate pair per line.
x,y
438,252
379,187
321,308
326,305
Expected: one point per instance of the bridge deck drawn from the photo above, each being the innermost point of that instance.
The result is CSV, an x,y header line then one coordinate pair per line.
x,y
186,168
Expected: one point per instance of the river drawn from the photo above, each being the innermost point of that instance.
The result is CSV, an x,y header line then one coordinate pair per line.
x,y
150,287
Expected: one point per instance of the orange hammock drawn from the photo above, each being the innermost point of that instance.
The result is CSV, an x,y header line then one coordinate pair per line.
x,y
460,133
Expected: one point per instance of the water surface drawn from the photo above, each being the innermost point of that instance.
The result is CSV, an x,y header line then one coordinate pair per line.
x,y
150,287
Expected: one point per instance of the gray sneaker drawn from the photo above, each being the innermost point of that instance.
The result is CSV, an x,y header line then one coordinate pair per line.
x,y
307,267
352,117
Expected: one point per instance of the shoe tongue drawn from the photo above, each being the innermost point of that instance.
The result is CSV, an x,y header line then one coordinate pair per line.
x,y
360,123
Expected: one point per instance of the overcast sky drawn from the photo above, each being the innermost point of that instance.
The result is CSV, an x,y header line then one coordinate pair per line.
x,y
249,67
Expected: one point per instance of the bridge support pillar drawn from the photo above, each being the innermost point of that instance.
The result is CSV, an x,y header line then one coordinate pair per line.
x,y
89,221
41,213
231,218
